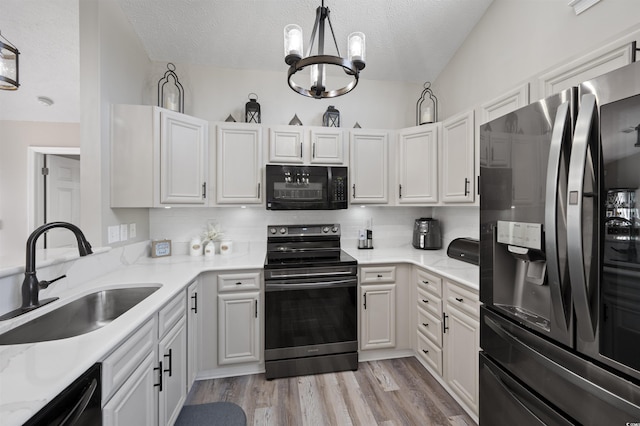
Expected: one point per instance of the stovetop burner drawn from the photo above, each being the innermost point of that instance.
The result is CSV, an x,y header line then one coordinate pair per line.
x,y
291,246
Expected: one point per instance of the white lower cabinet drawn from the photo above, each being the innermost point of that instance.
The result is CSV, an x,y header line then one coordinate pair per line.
x,y
144,381
378,316
194,312
239,312
447,334
462,343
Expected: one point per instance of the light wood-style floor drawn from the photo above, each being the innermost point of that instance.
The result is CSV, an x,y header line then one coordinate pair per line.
x,y
390,393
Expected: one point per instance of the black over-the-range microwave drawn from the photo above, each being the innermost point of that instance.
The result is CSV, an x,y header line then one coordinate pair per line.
x,y
307,187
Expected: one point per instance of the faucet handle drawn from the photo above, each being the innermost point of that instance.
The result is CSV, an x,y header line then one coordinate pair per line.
x,y
45,283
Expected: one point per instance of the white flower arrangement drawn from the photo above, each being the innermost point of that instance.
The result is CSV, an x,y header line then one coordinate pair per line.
x,y
213,232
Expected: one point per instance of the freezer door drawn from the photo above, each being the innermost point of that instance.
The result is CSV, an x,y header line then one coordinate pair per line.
x,y
581,390
506,401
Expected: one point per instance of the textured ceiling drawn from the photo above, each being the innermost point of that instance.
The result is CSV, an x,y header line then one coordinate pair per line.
x,y
407,40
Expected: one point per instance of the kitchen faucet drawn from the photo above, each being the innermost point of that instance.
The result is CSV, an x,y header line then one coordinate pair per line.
x,y
31,286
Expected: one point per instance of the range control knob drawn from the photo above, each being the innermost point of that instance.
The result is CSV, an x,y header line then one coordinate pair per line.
x,y
325,229
334,229
273,230
283,231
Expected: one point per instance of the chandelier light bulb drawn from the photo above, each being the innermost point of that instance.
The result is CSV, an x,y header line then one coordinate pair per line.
x,y
292,43
356,46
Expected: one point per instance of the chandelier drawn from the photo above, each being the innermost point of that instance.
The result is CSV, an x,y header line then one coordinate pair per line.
x,y
293,48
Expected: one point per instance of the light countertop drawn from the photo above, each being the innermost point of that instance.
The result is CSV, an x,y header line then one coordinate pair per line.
x,y
31,375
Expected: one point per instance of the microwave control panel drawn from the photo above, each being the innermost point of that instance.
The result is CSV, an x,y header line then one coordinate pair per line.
x,y
339,189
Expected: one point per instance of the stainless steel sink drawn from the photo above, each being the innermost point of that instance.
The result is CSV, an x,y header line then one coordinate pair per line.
x,y
81,316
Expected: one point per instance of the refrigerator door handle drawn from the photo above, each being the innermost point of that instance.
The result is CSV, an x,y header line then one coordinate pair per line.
x,y
555,220
581,268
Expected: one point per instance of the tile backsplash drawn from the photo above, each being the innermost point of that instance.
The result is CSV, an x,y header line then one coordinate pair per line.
x,y
249,225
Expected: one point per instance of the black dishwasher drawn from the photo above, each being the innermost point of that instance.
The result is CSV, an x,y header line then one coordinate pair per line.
x,y
77,405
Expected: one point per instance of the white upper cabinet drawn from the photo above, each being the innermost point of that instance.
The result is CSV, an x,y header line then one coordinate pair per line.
x,y
286,144
369,171
239,164
306,145
458,159
418,165
183,154
327,146
158,157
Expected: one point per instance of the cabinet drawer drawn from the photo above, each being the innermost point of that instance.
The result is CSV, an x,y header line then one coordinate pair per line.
x,y
464,300
238,282
429,303
171,313
429,282
378,274
122,362
430,326
430,353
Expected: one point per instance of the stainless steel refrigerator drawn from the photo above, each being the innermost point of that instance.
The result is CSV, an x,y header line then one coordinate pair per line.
x,y
559,258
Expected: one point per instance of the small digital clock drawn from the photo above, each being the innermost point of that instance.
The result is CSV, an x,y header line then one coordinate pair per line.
x,y
161,248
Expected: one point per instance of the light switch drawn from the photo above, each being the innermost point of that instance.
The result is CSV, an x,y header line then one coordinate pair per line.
x,y
132,230
124,232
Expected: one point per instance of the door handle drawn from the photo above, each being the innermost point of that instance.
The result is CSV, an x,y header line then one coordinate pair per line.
x,y
194,308
170,356
466,186
354,190
586,133
204,190
555,200
400,191
159,370
444,322
365,300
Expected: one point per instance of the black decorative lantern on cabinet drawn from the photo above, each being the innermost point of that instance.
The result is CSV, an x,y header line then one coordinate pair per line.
x,y
252,110
331,117
170,94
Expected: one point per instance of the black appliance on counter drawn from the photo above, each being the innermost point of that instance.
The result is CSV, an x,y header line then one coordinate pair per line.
x,y
311,320
465,249
427,234
307,187
560,325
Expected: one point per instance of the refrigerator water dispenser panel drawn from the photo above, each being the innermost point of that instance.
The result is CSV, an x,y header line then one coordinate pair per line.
x,y
520,234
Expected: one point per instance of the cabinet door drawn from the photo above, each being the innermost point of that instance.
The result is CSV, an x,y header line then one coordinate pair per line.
x,y
418,165
172,353
369,170
238,328
183,156
239,172
378,315
458,176
194,303
135,402
461,365
286,144
327,146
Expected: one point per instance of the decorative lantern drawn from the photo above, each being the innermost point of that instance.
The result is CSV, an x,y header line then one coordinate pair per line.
x,y
331,117
429,112
9,76
170,94
252,110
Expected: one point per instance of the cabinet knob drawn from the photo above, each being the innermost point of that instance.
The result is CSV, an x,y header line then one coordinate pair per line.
x,y
425,282
425,300
239,282
459,299
379,275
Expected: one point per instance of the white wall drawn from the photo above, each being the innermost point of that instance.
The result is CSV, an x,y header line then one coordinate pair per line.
x,y
213,93
114,68
517,39
17,136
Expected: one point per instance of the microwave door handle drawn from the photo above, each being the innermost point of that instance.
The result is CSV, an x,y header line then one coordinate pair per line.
x,y
582,281
555,201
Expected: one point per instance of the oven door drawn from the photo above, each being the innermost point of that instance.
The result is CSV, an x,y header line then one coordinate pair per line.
x,y
310,317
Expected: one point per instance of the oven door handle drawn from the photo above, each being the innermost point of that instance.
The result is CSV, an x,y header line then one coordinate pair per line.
x,y
310,275
282,285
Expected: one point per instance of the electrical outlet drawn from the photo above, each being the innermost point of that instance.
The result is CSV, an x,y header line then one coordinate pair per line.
x,y
124,232
113,234
132,230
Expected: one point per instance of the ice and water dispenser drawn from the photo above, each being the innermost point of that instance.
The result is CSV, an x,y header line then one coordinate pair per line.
x,y
519,286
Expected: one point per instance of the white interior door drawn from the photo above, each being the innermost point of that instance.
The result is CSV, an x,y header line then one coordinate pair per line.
x,y
62,198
